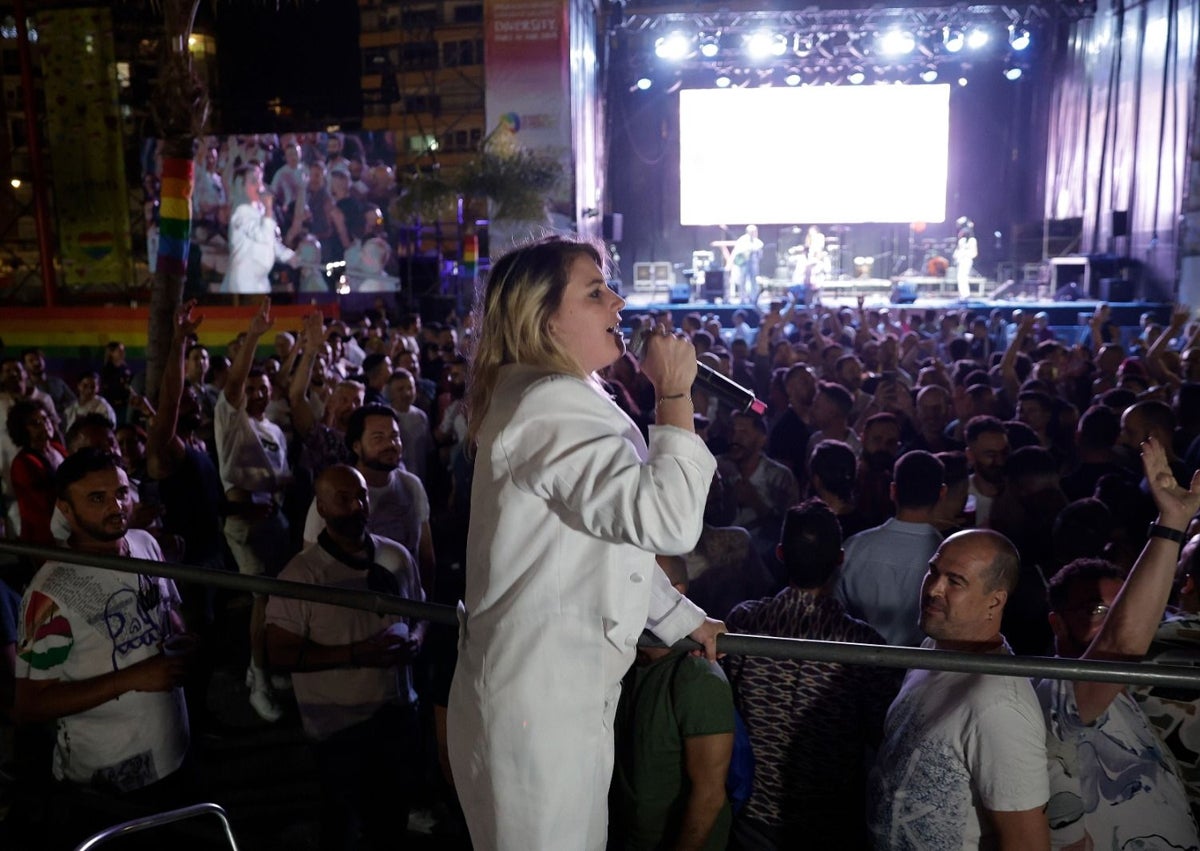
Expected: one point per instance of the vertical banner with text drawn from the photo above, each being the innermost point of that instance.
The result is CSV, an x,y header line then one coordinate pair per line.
x,y
528,95
83,134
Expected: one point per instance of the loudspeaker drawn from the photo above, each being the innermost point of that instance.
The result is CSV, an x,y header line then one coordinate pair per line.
x,y
714,284
1120,223
904,292
612,227
1116,289
681,293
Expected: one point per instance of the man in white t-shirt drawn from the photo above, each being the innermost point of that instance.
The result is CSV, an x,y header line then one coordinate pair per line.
x,y
252,456
91,659
962,764
399,505
414,423
350,668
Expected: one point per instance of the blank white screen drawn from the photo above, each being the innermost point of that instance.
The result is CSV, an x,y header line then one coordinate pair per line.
x,y
818,154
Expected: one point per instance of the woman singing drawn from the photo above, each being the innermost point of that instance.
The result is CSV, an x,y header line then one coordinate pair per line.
x,y
568,509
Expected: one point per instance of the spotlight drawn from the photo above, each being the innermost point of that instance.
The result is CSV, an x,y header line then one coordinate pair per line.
x,y
856,77
723,81
897,43
977,38
953,40
15,183
792,79
764,43
710,46
962,81
643,83
1012,73
1018,39
673,46
929,75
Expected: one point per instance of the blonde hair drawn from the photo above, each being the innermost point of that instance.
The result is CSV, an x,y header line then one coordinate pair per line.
x,y
512,317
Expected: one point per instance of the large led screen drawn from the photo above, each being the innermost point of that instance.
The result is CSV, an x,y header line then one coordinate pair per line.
x,y
816,154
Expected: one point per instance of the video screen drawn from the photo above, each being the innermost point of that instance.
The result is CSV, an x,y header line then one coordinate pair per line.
x,y
822,154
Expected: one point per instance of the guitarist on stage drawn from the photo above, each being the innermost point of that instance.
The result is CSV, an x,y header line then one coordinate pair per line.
x,y
743,264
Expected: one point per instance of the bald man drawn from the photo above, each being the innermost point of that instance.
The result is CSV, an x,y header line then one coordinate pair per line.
x,y
962,764
350,668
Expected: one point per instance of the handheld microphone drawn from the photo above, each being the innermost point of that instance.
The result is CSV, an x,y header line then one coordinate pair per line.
x,y
727,390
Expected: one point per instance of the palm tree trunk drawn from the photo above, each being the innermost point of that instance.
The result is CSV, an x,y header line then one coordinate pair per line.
x,y
179,109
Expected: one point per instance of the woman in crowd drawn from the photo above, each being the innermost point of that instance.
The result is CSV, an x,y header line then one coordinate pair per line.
x,y
31,428
568,507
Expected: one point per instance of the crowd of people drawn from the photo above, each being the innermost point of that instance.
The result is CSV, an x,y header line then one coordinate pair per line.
x,y
296,213
944,478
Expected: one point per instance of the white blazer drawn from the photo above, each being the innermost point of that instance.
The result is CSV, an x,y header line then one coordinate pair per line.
x,y
568,508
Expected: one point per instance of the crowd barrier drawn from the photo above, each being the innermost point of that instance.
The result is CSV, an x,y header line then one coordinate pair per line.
x,y
1037,667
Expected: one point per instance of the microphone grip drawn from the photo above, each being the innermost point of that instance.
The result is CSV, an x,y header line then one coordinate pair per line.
x,y
728,391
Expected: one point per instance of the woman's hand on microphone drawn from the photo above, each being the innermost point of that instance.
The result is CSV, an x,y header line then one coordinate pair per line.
x,y
669,363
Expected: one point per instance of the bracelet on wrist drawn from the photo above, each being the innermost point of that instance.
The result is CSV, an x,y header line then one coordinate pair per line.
x,y
673,397
1159,531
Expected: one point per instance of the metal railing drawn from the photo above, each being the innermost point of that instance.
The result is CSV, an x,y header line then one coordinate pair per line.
x,y
1130,673
118,831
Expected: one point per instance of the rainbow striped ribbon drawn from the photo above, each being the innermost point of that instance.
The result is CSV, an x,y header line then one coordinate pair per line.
x,y
175,215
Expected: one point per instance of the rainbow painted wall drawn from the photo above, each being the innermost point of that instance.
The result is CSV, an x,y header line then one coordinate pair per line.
x,y
78,335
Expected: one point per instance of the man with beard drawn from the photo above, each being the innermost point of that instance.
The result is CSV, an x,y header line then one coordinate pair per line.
x,y
51,385
91,659
350,668
252,452
399,505
763,489
884,565
987,452
880,448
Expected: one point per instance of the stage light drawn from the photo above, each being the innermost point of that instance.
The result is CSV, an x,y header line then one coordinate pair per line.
x,y
953,40
15,183
710,46
897,43
1018,39
723,81
643,83
856,77
1012,73
929,75
764,43
673,46
962,81
792,79
977,38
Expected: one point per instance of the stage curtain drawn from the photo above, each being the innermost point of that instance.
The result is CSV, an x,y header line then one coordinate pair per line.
x,y
1118,134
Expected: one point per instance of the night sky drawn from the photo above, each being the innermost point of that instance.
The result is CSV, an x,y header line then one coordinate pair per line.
x,y
304,52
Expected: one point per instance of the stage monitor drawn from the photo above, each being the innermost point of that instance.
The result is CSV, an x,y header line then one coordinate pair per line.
x,y
813,154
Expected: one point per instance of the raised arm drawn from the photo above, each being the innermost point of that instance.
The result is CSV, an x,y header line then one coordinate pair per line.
x,y
163,445
312,341
1008,365
235,384
1179,318
1138,609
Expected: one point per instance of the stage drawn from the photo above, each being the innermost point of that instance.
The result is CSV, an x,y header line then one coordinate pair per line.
x,y
911,293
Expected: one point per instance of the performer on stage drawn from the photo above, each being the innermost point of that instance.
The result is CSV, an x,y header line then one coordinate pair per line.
x,y
964,255
744,260
569,507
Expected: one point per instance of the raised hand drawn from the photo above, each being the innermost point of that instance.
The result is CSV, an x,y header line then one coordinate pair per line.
x,y
314,331
185,323
1176,505
261,322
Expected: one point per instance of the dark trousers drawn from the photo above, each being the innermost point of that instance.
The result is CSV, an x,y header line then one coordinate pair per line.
x,y
368,773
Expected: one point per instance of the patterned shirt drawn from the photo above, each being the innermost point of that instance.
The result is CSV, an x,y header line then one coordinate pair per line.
x,y
809,722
